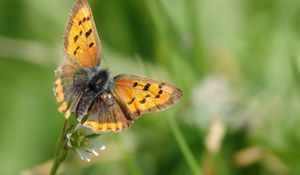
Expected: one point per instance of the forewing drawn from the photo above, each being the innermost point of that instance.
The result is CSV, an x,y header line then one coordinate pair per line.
x,y
105,114
139,94
81,41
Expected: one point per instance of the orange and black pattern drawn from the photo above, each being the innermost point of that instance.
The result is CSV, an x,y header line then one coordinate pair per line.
x,y
81,42
132,95
97,99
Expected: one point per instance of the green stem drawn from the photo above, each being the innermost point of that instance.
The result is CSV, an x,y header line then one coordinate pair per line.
x,y
187,153
61,150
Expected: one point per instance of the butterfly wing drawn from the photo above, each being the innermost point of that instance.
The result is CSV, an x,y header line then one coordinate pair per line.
x,y
105,114
81,42
82,51
139,94
131,96
67,87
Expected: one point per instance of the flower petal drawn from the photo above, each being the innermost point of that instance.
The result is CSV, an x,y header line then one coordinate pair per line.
x,y
85,130
84,155
95,144
69,140
95,153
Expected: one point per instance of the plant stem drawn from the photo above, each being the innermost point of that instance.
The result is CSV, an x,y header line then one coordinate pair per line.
x,y
61,150
187,153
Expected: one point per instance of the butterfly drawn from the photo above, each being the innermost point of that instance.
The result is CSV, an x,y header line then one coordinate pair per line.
x,y
99,100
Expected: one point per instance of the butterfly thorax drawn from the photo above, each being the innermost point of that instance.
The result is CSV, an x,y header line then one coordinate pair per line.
x,y
98,84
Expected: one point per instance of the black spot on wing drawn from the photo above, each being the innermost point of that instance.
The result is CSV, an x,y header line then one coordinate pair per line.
x,y
75,51
135,84
160,85
88,33
147,86
91,44
143,101
76,38
131,101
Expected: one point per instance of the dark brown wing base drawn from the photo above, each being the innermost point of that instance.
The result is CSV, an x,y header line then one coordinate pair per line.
x,y
106,114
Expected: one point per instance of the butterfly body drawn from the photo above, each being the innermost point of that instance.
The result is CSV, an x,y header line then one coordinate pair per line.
x,y
99,83
99,100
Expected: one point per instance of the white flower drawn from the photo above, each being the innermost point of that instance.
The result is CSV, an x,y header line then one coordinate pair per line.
x,y
85,142
213,99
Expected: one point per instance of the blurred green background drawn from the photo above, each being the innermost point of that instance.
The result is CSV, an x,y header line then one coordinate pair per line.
x,y
238,63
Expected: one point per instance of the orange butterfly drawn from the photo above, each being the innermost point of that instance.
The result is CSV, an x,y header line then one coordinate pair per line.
x,y
99,100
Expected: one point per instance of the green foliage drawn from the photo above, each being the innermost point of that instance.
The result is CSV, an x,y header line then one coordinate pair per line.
x,y
252,44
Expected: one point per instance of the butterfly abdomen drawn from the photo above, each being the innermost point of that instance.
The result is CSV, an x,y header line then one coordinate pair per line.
x,y
84,104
